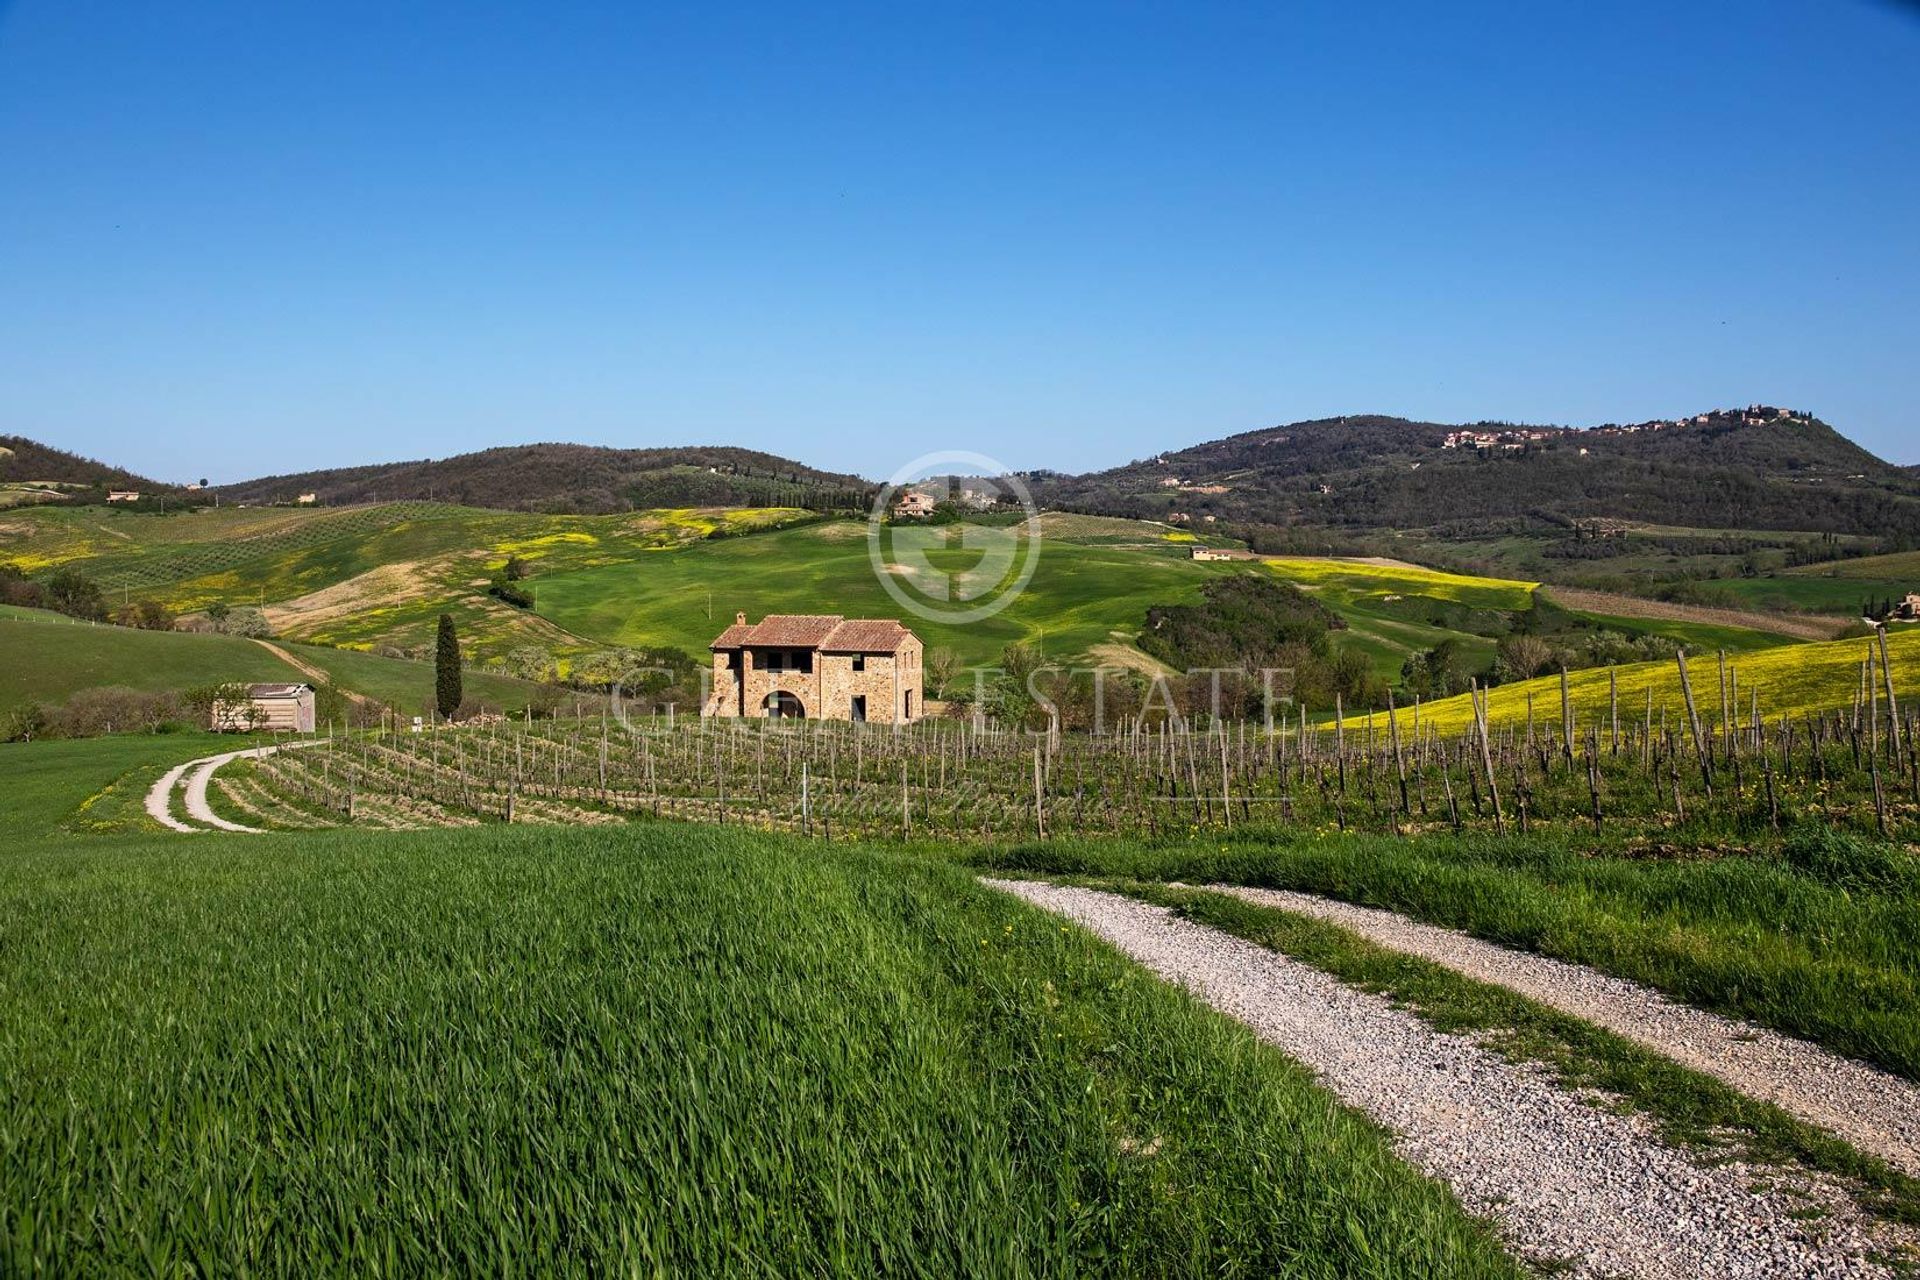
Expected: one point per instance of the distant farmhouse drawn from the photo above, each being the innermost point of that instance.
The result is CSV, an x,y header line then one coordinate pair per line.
x,y
913,504
1908,610
123,495
817,666
274,708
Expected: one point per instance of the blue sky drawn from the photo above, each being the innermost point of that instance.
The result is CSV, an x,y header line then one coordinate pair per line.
x,y
239,238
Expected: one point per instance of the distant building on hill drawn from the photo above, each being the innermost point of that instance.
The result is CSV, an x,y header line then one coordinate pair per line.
x,y
1908,610
913,504
275,708
123,495
817,666
306,499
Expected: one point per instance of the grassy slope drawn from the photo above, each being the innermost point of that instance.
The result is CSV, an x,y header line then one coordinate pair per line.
x,y
48,662
599,580
659,1049
1792,678
1698,637
267,556
1394,610
405,685
1081,595
1898,566
48,659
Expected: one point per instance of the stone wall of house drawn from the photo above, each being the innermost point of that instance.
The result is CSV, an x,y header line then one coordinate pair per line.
x,y
762,683
891,684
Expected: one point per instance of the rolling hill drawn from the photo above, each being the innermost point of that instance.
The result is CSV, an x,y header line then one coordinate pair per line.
x,y
1374,472
573,479
31,472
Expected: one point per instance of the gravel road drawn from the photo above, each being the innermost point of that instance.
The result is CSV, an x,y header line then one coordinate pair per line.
x,y
160,796
1875,1111
1561,1179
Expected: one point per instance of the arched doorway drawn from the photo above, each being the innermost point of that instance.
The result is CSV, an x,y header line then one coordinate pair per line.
x,y
781,705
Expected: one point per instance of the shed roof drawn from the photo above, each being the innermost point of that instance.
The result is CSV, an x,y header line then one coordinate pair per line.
x,y
272,691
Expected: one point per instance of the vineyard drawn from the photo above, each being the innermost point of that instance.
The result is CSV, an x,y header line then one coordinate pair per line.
x,y
1609,766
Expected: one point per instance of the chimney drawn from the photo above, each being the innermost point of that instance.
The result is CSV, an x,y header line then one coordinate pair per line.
x,y
740,618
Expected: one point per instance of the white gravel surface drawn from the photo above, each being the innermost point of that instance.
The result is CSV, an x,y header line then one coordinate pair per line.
x,y
1562,1179
159,798
1875,1111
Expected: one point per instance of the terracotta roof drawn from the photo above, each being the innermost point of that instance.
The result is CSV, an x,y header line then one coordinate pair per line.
x,y
866,635
824,631
784,630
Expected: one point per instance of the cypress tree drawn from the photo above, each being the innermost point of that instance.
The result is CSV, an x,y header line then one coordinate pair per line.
x,y
446,669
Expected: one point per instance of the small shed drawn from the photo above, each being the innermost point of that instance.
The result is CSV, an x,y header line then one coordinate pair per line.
x,y
274,708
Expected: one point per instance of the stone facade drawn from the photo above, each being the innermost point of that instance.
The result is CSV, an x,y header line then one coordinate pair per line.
x,y
817,666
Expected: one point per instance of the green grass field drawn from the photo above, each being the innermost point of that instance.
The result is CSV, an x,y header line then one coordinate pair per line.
x,y
49,662
655,1050
88,786
1082,596
47,658
1808,593
1696,637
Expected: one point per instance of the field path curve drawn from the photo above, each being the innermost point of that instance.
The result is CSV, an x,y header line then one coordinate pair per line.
x,y
1563,1180
1876,1111
160,798
198,774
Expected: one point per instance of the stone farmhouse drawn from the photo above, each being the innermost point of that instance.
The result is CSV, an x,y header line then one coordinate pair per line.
x,y
818,666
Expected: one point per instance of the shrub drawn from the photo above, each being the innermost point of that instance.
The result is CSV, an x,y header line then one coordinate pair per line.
x,y
24,724
247,621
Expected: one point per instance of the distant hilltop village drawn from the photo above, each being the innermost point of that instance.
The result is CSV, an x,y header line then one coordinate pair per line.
x,y
1754,415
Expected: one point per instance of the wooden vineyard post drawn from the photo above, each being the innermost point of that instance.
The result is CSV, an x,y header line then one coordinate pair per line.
x,y
1566,720
1893,707
1593,775
1693,721
1613,704
1478,697
1873,709
1039,808
1399,758
1226,789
